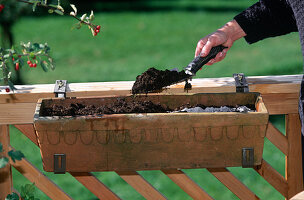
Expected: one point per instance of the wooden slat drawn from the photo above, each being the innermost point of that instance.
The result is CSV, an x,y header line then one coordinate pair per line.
x,y
18,107
277,138
294,171
187,184
299,196
30,93
29,131
41,181
281,103
6,182
87,179
233,184
140,185
17,113
94,185
273,177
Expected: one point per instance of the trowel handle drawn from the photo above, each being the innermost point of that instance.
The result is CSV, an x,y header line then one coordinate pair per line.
x,y
199,61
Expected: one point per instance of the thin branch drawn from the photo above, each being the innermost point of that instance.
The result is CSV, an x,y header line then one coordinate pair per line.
x,y
52,8
38,4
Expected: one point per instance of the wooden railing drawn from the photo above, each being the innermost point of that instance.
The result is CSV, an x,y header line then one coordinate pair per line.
x,y
280,94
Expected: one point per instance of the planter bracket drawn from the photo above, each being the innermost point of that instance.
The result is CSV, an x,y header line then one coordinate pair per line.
x,y
247,157
60,88
240,82
59,163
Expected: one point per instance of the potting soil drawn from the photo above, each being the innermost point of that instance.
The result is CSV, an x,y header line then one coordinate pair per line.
x,y
123,106
155,80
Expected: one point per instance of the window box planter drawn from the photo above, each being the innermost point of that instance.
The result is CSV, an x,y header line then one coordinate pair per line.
x,y
153,141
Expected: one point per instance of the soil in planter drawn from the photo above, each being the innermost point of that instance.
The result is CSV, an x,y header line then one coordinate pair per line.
x,y
155,80
118,107
123,106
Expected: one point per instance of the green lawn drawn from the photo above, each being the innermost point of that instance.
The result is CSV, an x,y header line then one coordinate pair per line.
x,y
129,43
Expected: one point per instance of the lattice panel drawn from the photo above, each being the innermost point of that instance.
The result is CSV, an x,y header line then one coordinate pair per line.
x,y
180,178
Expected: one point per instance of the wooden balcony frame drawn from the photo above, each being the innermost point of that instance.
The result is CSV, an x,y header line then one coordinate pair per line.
x,y
280,95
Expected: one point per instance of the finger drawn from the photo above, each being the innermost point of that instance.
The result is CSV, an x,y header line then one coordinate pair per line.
x,y
218,57
200,46
211,62
206,49
222,56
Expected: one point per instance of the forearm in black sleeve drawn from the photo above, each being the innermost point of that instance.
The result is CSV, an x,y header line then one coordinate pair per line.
x,y
267,18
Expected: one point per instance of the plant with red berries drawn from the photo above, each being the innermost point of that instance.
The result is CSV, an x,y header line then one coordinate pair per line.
x,y
58,9
1,7
31,53
38,54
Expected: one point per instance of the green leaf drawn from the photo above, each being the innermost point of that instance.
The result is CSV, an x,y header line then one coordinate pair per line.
x,y
53,6
60,8
58,12
11,85
21,62
32,55
52,63
74,8
3,162
92,15
36,46
77,26
51,11
1,148
15,155
27,191
83,17
13,196
41,46
44,65
34,6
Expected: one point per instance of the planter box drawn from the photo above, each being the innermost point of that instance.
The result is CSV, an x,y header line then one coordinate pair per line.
x,y
153,141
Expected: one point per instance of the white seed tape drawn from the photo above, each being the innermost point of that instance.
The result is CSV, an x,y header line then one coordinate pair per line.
x,y
242,109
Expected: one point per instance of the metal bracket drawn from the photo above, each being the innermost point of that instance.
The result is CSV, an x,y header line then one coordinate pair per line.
x,y
59,163
60,88
240,82
187,86
247,157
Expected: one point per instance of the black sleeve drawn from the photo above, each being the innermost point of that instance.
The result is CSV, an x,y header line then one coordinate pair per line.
x,y
267,18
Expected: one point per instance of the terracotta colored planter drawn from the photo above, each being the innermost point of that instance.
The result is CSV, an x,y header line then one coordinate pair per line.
x,y
153,141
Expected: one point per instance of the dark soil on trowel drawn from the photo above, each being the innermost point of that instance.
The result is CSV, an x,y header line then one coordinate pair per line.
x,y
154,80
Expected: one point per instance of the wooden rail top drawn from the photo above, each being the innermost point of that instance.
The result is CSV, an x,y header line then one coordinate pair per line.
x,y
280,93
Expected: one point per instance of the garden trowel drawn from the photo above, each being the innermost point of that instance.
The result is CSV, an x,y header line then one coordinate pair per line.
x,y
198,63
154,80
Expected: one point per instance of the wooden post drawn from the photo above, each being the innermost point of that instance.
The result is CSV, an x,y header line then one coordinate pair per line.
x,y
6,182
293,169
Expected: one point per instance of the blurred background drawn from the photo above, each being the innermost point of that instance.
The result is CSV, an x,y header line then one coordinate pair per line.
x,y
136,35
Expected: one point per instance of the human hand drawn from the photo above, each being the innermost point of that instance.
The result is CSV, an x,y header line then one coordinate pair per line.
x,y
224,36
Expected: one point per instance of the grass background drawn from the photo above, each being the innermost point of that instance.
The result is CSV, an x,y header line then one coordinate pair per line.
x,y
163,36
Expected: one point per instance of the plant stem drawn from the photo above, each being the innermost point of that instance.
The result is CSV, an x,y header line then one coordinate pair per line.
x,y
4,71
52,8
38,4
